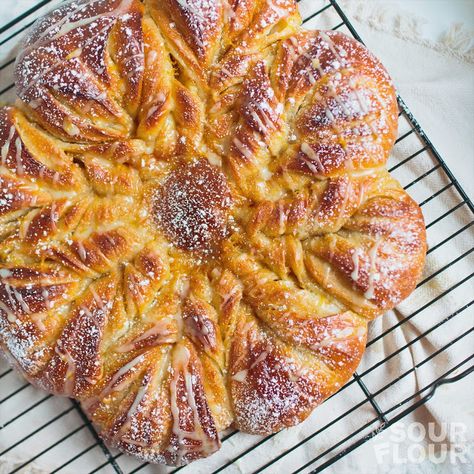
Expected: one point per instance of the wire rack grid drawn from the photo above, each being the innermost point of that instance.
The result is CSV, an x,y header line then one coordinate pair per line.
x,y
363,407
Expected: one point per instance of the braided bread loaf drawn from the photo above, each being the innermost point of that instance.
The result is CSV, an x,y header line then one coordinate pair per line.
x,y
196,222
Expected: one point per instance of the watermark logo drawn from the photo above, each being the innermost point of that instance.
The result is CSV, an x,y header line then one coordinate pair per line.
x,y
414,443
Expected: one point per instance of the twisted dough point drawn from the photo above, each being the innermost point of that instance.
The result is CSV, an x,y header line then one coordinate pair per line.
x,y
195,219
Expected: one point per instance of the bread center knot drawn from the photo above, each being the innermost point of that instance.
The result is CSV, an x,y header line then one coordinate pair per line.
x,y
191,207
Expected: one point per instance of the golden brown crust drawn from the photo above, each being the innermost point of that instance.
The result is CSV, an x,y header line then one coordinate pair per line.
x,y
196,223
81,70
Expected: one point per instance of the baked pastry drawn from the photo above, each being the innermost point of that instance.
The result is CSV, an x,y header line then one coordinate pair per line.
x,y
196,219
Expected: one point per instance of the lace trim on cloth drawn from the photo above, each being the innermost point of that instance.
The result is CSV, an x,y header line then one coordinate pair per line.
x,y
457,40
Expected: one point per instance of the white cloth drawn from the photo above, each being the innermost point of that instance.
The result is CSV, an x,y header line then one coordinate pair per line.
x,y
436,81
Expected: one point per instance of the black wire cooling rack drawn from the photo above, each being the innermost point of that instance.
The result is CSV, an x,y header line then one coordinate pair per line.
x,y
56,428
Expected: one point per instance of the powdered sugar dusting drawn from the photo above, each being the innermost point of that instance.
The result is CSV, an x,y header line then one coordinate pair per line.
x,y
191,207
201,17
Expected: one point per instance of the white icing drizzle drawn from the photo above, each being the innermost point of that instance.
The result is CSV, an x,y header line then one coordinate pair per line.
x,y
133,441
54,214
229,13
112,385
248,326
281,12
15,298
348,192
152,56
71,128
122,371
229,295
70,377
298,258
7,144
35,103
356,260
360,333
262,118
216,107
182,289
332,47
19,165
5,273
67,26
226,70
22,302
159,101
365,106
56,177
362,100
363,191
242,374
281,218
243,149
132,57
313,156
97,298
82,251
294,375
138,399
296,51
85,310
207,446
74,54
295,48
343,333
38,320
328,266
265,173
337,336
159,329
150,384
369,294
10,315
